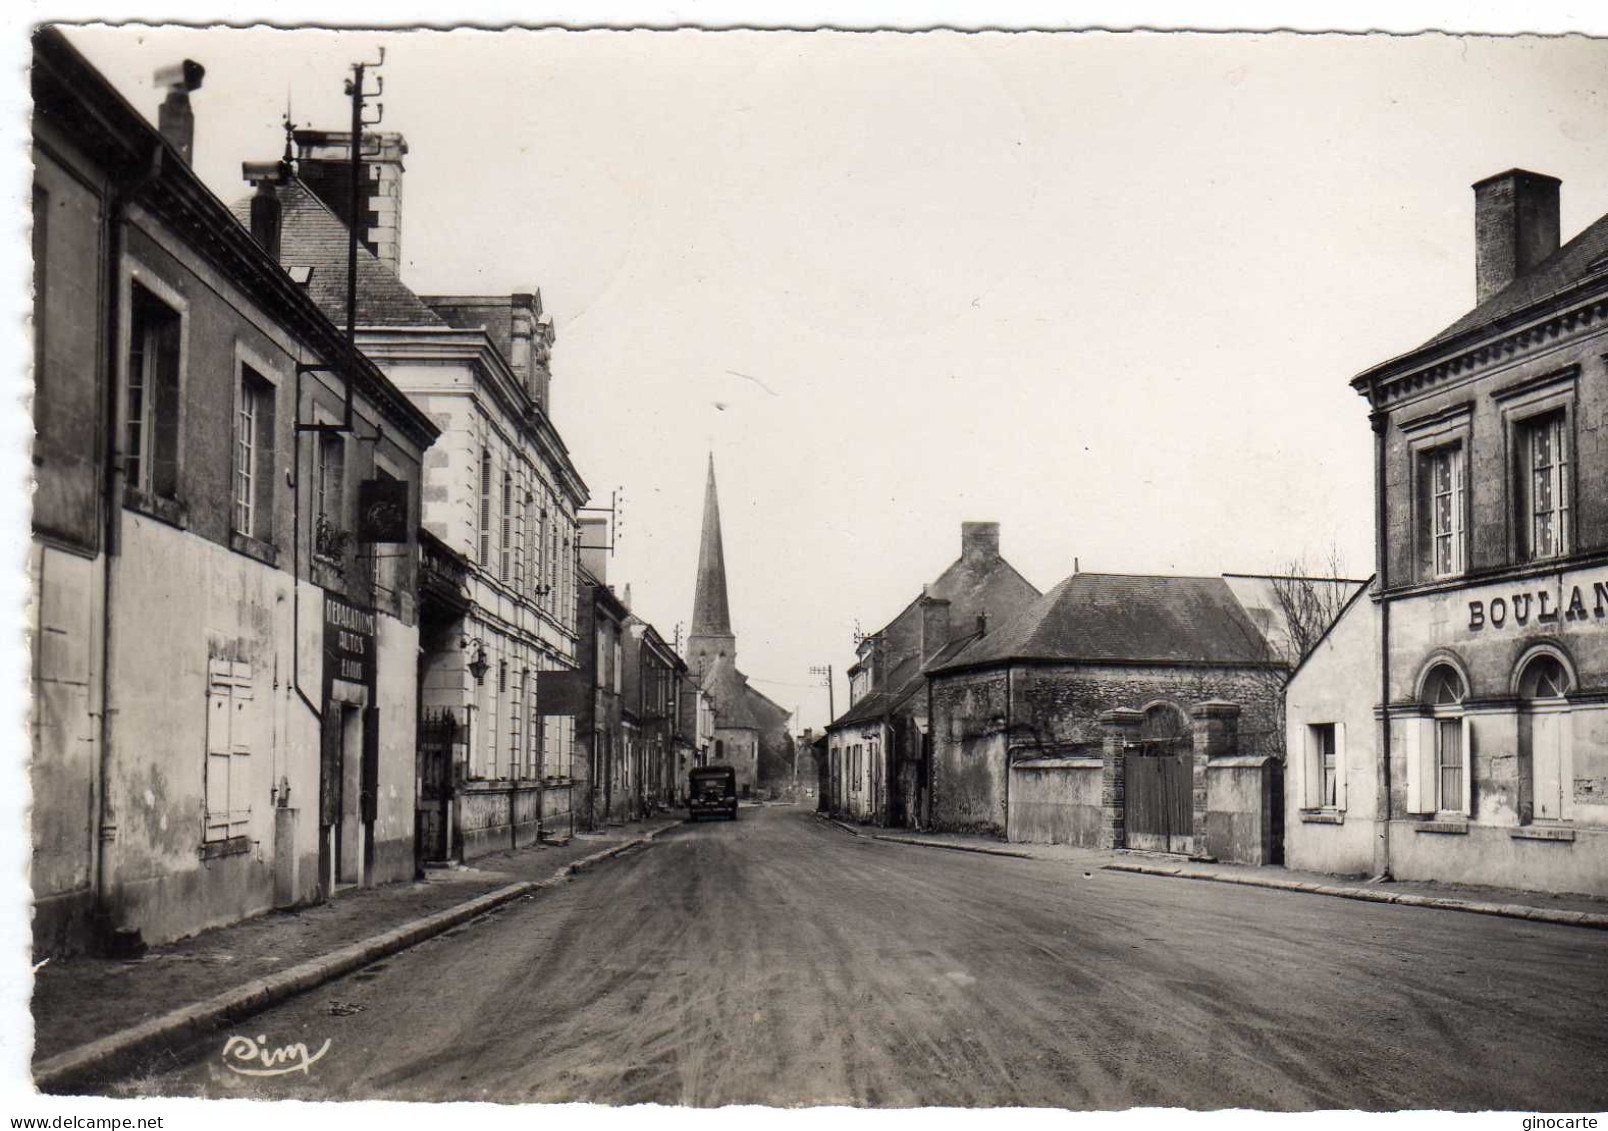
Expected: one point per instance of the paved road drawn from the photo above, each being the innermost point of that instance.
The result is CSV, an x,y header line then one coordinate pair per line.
x,y
777,960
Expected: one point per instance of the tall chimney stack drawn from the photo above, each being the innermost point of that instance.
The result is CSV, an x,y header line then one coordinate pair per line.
x,y
174,118
979,540
934,626
1515,227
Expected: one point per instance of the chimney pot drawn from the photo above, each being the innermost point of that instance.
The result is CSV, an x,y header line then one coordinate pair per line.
x,y
174,118
1515,227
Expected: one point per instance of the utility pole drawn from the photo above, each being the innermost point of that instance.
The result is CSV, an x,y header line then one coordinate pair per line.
x,y
825,671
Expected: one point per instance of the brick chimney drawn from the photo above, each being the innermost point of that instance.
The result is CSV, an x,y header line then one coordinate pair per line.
x,y
324,164
1515,227
934,626
174,117
979,541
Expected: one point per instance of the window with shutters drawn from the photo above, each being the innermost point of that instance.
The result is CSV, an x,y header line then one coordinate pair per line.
x,y
151,396
1325,766
228,769
1440,746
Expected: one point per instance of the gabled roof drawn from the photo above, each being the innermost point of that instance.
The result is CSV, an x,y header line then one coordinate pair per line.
x,y
313,236
733,698
1122,618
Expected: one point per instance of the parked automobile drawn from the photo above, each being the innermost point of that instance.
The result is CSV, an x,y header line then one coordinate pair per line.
x,y
712,789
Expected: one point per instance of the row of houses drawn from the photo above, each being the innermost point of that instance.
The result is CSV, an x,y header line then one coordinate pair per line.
x,y
316,594
1446,719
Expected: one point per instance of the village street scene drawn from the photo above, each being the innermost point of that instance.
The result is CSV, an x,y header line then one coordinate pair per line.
x,y
814,570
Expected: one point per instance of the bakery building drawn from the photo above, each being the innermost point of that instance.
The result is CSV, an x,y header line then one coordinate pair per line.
x,y
1454,724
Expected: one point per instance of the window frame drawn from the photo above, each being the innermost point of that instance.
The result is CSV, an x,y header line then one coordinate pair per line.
x,y
134,274
1560,477
253,369
1523,404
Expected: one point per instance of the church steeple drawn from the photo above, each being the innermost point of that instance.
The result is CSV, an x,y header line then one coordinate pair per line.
x,y
711,635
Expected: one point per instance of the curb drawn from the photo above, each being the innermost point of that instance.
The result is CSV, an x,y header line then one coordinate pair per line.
x,y
93,1061
1590,919
986,850
850,829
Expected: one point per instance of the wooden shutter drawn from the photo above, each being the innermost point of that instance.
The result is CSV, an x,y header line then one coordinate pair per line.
x,y
1466,802
219,713
1566,766
228,771
1340,766
1420,743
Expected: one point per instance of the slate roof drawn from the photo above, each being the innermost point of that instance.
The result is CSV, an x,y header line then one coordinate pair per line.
x,y
905,680
313,236
1577,260
1121,618
493,314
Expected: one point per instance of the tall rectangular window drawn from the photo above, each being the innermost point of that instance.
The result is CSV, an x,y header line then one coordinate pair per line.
x,y
1323,759
1544,486
505,566
485,506
1443,476
254,456
151,396
327,479
1449,763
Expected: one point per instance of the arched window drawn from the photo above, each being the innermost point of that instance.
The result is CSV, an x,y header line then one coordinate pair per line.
x,y
1544,677
1545,732
720,751
1443,687
1440,746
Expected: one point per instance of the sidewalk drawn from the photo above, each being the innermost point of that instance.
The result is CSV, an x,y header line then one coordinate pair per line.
x,y
1576,910
79,999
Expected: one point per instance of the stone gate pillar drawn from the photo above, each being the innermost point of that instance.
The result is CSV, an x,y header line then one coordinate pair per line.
x,y
1216,735
1119,730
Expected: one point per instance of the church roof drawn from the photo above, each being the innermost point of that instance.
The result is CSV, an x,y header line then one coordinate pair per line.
x,y
711,615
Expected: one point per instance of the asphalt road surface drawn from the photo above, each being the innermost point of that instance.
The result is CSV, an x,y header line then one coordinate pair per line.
x,y
778,960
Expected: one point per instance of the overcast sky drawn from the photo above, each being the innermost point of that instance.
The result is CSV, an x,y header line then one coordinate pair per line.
x,y
1107,290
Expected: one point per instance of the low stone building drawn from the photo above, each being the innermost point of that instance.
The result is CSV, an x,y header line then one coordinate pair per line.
x,y
877,747
1455,726
1109,688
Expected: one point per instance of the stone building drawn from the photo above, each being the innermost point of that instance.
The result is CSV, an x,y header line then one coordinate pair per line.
x,y
649,712
1023,718
501,492
224,620
749,727
877,747
1455,725
594,691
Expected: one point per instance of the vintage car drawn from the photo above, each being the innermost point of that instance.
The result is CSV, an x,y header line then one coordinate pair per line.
x,y
713,789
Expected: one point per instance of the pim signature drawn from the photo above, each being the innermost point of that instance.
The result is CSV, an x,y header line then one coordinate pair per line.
x,y
249,1057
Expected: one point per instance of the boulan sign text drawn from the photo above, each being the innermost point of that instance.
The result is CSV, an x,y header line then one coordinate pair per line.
x,y
1544,606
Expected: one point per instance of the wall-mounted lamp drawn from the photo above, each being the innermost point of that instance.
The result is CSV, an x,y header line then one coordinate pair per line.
x,y
478,663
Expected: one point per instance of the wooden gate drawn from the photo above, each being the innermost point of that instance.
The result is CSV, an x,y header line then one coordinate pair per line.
x,y
1159,800
438,732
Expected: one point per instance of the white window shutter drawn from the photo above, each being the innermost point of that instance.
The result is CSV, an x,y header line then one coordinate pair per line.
x,y
1415,765
217,767
1467,800
1566,767
1340,766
